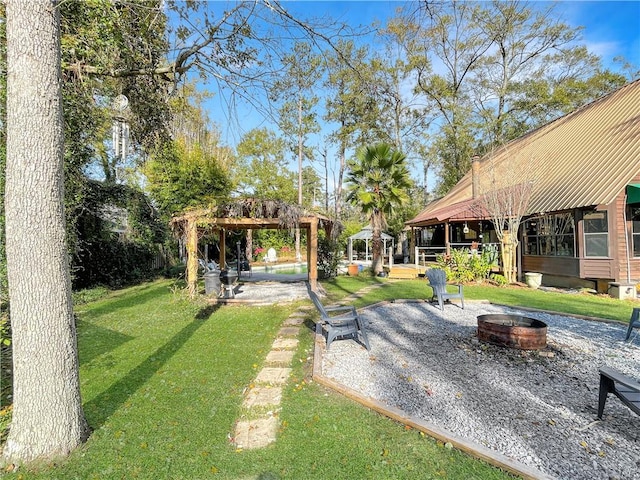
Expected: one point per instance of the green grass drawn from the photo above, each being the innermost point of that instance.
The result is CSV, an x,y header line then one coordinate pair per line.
x,y
162,383
586,304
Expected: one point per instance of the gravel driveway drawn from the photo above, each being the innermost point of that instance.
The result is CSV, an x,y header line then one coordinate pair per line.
x,y
536,407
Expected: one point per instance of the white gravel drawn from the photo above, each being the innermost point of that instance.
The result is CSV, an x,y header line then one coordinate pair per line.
x,y
537,408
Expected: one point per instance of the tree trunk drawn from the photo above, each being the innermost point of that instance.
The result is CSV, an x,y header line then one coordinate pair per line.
x,y
376,243
508,257
48,420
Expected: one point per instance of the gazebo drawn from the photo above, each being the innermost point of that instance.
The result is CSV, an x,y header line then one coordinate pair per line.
x,y
366,234
247,214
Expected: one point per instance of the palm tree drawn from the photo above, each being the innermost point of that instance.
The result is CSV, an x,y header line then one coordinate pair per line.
x,y
377,182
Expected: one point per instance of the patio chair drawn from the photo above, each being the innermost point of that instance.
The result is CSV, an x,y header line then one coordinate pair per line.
x,y
337,324
271,256
634,322
625,388
438,282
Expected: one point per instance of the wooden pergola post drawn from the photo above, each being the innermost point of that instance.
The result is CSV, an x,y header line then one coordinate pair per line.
x,y
222,259
192,256
312,252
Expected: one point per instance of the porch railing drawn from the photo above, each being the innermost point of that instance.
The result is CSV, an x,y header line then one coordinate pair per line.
x,y
423,255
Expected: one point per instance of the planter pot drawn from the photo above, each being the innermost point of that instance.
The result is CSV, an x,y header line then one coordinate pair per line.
x,y
533,280
353,270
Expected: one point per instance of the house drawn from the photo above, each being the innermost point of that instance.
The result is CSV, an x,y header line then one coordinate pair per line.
x,y
582,223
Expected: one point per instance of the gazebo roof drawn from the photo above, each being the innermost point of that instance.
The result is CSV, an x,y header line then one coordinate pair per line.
x,y
367,234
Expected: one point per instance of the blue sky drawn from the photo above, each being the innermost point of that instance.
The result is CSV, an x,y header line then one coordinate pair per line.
x,y
611,28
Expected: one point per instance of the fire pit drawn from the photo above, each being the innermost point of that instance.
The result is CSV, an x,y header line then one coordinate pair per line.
x,y
514,331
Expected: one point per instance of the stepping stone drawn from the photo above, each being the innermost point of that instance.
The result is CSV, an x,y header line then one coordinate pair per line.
x,y
280,356
263,397
285,344
289,332
256,433
273,375
293,321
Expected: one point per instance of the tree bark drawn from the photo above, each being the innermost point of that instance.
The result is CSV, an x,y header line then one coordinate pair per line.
x,y
48,420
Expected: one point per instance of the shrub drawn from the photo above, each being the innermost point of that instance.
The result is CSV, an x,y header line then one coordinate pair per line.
x,y
498,279
464,266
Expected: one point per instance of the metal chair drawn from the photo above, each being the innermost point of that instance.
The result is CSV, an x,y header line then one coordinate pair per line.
x,y
438,282
342,325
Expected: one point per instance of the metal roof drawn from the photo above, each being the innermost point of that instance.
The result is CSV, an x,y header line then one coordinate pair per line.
x,y
367,234
582,159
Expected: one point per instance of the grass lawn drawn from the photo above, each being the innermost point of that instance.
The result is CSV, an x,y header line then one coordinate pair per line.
x,y
163,380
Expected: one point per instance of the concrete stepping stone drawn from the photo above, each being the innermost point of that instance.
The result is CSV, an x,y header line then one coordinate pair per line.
x,y
273,375
289,332
263,397
293,321
256,433
280,356
285,344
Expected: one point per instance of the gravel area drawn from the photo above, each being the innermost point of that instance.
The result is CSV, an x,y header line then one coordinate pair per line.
x,y
538,408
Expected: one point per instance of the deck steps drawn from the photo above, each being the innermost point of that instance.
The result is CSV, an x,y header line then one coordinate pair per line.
x,y
405,271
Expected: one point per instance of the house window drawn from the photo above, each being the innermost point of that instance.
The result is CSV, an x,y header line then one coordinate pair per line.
x,y
596,234
550,235
635,220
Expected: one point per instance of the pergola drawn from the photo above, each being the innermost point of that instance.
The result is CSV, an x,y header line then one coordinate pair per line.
x,y
250,214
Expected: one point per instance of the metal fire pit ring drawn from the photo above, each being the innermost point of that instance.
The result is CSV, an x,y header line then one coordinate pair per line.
x,y
513,331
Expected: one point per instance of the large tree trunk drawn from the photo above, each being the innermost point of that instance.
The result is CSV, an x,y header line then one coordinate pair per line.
x,y
48,420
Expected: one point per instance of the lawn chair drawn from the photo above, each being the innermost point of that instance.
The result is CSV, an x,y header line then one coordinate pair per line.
x,y
339,324
271,256
438,282
625,388
634,322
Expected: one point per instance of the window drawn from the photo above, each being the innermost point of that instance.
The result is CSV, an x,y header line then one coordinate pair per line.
x,y
635,220
596,234
550,235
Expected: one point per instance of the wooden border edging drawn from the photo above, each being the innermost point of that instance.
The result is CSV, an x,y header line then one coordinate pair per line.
x,y
474,449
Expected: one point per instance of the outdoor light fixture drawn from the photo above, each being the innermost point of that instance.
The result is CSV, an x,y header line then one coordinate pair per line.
x,y
465,229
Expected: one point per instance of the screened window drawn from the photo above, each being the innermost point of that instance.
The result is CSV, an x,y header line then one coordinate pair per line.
x,y
635,220
596,234
550,235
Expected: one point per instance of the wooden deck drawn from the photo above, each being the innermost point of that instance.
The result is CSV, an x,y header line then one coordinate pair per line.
x,y
406,271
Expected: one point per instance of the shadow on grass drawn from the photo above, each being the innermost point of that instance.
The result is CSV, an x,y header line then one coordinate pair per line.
x,y
101,340
100,408
135,296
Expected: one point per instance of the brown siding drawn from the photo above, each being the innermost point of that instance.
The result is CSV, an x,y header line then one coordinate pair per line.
x,y
567,266
596,268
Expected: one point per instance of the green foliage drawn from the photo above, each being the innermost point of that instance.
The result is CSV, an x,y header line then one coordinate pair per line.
x,y
464,266
82,297
498,279
118,236
179,176
5,336
114,264
276,239
329,256
378,181
262,170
